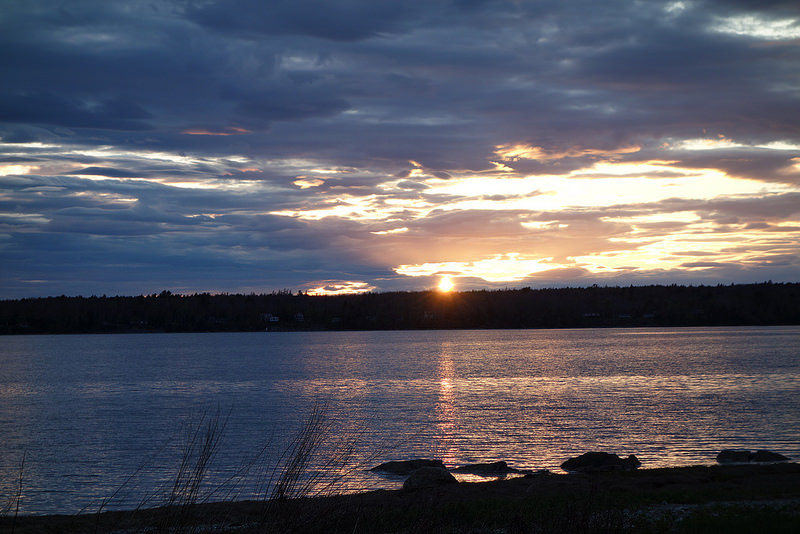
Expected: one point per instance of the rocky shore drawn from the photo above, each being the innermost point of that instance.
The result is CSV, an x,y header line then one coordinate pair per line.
x,y
742,497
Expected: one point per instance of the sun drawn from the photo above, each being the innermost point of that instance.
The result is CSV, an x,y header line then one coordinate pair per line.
x,y
446,284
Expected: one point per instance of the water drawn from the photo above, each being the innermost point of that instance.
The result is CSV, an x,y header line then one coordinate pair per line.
x,y
99,417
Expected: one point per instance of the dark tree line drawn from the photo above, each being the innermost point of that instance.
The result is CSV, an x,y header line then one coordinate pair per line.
x,y
657,305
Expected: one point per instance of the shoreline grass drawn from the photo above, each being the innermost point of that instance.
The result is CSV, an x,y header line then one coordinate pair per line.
x,y
313,463
680,499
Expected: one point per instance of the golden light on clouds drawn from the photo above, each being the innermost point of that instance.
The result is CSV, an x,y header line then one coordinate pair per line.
x,y
223,132
453,227
552,223
472,187
721,142
696,247
514,152
350,207
604,184
401,230
304,182
340,287
501,268
8,170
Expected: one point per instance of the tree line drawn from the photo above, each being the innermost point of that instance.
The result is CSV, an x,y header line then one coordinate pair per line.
x,y
654,305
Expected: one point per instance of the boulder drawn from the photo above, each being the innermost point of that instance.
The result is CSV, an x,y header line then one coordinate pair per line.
x,y
733,456
428,477
406,467
591,462
538,473
739,456
768,456
492,469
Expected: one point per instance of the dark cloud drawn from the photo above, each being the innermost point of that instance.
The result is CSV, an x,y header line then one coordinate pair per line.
x,y
766,165
749,6
408,184
284,105
106,171
48,108
348,20
769,207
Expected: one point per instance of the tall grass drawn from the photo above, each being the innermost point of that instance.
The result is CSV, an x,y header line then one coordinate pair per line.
x,y
301,469
315,461
200,446
314,464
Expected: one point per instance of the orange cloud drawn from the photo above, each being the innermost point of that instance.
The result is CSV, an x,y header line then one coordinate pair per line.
x,y
227,131
519,151
339,287
305,182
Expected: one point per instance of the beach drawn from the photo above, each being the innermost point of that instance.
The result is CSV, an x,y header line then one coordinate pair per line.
x,y
731,498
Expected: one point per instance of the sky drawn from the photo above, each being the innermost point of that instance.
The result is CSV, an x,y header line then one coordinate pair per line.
x,y
249,146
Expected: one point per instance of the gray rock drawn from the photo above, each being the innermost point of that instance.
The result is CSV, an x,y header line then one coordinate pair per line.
x,y
538,473
492,469
406,467
428,477
591,462
739,456
768,456
733,456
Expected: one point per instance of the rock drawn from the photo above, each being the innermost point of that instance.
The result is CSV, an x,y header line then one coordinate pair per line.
x,y
739,456
538,473
600,461
732,456
768,456
428,477
406,467
493,469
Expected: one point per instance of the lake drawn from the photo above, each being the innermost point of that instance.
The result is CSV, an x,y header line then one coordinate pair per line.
x,y
103,420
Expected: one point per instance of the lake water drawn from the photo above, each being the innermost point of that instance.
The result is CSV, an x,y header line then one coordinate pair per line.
x,y
107,416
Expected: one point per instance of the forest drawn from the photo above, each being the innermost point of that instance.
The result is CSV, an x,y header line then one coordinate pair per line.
x,y
653,305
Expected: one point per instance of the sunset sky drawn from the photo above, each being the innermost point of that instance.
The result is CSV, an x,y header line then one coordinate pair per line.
x,y
363,145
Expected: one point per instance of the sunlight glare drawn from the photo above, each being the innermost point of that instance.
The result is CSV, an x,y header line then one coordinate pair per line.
x,y
446,284
501,268
8,170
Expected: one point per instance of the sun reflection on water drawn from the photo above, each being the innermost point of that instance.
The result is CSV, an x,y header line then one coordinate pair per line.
x,y
446,414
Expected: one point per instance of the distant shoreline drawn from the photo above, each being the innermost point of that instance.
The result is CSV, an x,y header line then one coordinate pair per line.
x,y
148,332
763,304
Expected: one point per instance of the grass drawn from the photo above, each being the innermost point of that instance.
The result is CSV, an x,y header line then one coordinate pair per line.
x,y
605,503
200,445
182,505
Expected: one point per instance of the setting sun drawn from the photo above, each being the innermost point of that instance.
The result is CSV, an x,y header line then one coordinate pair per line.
x,y
446,284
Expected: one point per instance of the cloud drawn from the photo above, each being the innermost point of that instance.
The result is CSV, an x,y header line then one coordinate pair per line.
x,y
241,145
105,171
348,20
48,108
